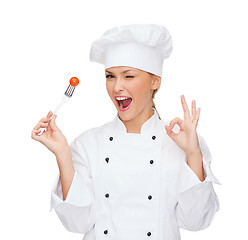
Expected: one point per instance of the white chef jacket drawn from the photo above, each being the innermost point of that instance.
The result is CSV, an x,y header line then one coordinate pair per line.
x,y
131,186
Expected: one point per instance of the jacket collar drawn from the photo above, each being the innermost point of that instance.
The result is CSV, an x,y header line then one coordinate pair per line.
x,y
149,126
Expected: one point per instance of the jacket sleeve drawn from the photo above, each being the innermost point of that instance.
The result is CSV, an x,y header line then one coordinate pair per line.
x,y
77,211
197,201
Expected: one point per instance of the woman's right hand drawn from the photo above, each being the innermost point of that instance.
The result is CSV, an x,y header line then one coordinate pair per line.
x,y
52,138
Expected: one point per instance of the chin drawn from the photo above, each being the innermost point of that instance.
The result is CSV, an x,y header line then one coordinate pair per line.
x,y
125,116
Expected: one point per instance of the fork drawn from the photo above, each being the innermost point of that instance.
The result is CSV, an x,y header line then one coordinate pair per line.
x,y
66,96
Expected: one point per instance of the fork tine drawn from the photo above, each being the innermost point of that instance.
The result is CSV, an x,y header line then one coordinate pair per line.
x,y
73,88
69,91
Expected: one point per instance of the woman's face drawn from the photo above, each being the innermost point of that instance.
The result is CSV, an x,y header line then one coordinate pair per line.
x,y
132,83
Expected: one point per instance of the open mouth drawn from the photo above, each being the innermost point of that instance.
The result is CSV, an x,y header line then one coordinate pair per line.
x,y
124,103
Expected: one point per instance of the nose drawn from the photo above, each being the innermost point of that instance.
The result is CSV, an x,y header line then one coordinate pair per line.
x,y
118,85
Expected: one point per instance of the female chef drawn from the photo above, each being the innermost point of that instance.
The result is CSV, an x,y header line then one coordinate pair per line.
x,y
134,177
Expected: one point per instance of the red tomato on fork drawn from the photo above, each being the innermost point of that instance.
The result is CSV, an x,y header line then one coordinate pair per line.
x,y
74,81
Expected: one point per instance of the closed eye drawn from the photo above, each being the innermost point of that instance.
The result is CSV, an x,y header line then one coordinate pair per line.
x,y
129,76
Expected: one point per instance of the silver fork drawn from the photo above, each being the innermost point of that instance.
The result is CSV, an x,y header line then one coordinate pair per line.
x,y
68,93
66,96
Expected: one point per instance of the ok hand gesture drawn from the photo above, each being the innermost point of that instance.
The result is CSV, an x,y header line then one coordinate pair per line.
x,y
187,138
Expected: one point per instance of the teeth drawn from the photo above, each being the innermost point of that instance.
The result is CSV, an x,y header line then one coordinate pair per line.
x,y
121,98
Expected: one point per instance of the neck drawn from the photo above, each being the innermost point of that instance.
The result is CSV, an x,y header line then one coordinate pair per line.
x,y
134,125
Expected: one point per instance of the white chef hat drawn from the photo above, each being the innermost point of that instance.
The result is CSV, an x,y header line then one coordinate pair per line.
x,y
142,46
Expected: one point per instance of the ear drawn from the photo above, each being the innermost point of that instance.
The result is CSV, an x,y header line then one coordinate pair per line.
x,y
156,81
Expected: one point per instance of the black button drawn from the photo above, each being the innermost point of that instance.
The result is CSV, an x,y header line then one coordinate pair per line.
x,y
149,234
153,137
151,161
149,197
105,231
111,138
107,159
107,195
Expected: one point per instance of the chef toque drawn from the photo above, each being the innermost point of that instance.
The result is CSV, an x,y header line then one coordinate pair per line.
x,y
142,46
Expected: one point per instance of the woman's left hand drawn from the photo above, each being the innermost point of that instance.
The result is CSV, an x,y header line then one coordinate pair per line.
x,y
186,138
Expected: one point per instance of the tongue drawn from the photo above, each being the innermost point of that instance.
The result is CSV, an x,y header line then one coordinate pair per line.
x,y
126,102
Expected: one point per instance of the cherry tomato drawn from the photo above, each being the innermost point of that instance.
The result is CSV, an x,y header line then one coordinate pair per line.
x,y
74,81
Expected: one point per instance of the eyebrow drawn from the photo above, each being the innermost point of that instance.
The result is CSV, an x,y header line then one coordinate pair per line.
x,y
122,72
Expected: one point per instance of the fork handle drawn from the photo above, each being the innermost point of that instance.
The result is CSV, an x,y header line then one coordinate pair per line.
x,y
63,100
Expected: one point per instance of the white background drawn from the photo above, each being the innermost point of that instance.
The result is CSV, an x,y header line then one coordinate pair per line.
x,y
45,43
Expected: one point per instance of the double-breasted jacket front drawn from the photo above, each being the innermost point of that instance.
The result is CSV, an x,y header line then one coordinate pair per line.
x,y
134,186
